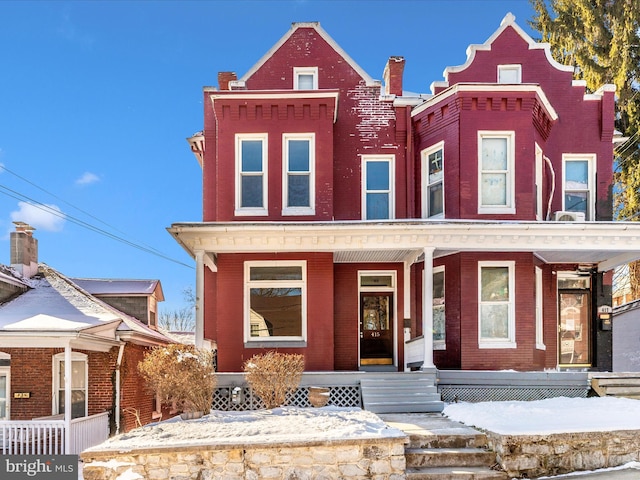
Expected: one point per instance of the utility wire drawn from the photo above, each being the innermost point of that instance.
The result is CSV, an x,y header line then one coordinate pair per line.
x,y
5,169
21,197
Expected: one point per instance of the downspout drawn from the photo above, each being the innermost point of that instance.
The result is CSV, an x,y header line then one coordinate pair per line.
x,y
117,381
553,186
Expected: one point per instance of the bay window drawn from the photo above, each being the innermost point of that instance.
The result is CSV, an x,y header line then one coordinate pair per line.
x,y
496,160
432,181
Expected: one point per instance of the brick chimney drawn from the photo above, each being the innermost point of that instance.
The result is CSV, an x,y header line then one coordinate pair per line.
x,y
224,78
393,76
24,250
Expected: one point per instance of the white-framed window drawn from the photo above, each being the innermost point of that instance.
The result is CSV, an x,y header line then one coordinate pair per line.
x,y
433,181
539,312
496,160
439,317
578,185
79,382
305,78
377,187
496,305
251,174
5,386
510,73
298,182
275,301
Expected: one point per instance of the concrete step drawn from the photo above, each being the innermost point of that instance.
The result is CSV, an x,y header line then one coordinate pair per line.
x,y
455,473
400,394
449,457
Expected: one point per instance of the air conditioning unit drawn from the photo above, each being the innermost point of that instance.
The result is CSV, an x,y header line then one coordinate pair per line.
x,y
568,216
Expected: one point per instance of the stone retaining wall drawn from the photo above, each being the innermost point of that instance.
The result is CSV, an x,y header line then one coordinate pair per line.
x,y
538,455
379,459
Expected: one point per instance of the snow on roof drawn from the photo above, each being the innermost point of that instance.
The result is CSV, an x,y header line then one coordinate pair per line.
x,y
56,303
10,275
108,286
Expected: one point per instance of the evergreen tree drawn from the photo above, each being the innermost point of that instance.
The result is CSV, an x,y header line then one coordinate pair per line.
x,y
601,39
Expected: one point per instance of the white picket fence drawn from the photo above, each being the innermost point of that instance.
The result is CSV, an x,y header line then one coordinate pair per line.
x,y
47,436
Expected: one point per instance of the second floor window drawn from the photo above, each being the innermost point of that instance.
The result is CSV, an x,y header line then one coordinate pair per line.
x,y
377,187
433,176
578,184
298,181
496,172
251,174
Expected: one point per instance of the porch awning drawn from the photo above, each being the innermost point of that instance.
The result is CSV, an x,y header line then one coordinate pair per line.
x,y
605,244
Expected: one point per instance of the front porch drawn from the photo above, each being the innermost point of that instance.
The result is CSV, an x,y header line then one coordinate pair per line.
x,y
53,435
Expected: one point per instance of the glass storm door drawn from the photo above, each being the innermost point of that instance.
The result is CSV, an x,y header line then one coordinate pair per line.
x,y
3,396
574,339
376,328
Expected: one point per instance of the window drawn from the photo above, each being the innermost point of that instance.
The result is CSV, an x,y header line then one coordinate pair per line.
x,y
509,73
496,312
298,183
578,185
377,192
78,384
496,176
439,320
432,181
5,385
539,312
275,301
305,78
251,178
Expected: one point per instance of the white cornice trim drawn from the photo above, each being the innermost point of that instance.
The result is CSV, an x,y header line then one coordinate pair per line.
x,y
489,87
609,239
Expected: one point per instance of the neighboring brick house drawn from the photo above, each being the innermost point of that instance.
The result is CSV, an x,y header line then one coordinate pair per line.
x,y
342,218
52,320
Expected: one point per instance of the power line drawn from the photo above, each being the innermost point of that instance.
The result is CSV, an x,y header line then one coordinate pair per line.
x,y
21,197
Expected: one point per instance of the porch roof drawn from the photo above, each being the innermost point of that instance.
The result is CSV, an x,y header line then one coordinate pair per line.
x,y
605,244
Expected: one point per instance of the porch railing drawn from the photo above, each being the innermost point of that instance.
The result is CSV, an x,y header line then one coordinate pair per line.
x,y
414,352
46,436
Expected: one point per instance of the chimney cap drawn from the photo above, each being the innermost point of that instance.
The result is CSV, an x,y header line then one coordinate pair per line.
x,y
23,227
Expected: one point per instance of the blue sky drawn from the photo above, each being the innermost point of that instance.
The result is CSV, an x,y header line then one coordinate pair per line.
x,y
97,98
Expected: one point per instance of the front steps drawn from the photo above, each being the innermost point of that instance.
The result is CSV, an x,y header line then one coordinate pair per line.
x,y
439,449
399,392
616,384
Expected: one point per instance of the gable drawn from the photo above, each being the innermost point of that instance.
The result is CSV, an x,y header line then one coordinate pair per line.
x,y
304,45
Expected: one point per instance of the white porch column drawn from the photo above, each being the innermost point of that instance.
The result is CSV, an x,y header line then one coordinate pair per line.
x,y
67,399
199,340
427,309
407,305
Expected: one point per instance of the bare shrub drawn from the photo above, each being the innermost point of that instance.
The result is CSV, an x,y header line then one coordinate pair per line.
x,y
182,374
273,375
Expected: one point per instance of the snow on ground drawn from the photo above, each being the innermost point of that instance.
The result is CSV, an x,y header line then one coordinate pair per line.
x,y
285,424
553,415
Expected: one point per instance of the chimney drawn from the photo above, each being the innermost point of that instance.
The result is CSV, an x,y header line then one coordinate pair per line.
x,y
24,250
224,78
393,76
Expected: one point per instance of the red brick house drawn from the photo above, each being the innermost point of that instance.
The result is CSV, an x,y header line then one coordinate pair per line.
x,y
344,217
60,345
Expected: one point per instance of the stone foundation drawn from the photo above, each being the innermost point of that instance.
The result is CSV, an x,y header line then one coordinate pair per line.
x,y
542,455
379,459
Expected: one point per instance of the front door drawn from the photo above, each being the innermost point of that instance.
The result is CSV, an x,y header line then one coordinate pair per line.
x,y
376,328
574,333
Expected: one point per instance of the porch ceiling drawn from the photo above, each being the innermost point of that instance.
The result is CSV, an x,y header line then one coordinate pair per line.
x,y
607,244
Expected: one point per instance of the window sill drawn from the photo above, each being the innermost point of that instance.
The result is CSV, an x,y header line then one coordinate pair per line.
x,y
276,344
439,346
487,345
250,212
541,346
290,212
496,211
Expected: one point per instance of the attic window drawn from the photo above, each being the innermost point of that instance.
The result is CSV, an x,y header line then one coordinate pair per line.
x,y
509,73
305,78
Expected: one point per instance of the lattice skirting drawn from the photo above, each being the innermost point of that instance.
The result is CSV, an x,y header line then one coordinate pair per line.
x,y
343,396
499,393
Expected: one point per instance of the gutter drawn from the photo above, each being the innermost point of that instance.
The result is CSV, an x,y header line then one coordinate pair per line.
x,y
117,382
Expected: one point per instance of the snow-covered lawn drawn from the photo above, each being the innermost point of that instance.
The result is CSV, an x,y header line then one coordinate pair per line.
x,y
553,415
285,424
